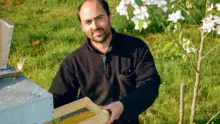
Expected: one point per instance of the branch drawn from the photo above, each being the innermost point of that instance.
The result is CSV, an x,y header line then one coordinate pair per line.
x,y
181,111
189,15
194,67
197,81
199,13
206,34
210,51
213,117
208,4
171,34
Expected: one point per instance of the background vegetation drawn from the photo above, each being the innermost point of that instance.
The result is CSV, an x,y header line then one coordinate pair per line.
x,y
48,30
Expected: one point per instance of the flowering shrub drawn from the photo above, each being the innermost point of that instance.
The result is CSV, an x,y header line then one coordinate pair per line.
x,y
140,13
210,22
140,18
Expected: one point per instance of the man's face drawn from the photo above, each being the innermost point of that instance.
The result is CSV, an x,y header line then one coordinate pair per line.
x,y
95,22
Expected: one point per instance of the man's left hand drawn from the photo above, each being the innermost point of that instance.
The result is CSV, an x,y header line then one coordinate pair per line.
x,y
116,109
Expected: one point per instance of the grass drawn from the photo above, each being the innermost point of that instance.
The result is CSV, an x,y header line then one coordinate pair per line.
x,y
48,30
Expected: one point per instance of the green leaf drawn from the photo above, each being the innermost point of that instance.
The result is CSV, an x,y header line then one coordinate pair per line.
x,y
180,36
140,24
185,58
210,13
138,2
170,27
167,46
188,4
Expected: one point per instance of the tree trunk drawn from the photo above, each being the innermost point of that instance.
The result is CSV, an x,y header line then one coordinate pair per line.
x,y
181,112
197,82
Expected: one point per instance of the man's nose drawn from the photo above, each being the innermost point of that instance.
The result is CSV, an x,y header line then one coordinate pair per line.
x,y
94,25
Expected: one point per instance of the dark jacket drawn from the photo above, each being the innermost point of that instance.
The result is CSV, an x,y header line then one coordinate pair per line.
x,y
126,73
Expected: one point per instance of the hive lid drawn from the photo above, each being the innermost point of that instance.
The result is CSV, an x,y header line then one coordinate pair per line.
x,y
6,31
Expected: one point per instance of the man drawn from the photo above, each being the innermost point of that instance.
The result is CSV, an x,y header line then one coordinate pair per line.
x,y
115,71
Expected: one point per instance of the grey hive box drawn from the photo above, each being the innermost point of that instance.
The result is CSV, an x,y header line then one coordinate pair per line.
x,y
24,102
21,100
6,30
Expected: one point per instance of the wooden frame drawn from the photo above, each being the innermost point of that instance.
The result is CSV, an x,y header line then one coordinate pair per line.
x,y
74,108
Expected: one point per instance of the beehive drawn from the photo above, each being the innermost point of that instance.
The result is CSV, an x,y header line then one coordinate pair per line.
x,y
21,100
24,102
6,30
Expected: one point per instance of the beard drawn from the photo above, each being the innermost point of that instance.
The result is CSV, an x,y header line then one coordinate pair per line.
x,y
102,37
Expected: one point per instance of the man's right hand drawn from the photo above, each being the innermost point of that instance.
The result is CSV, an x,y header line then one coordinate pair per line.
x,y
116,109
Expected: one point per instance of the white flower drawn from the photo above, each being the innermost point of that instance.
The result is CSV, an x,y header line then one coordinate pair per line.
x,y
186,44
208,24
149,2
160,3
136,25
210,8
133,4
126,2
216,19
134,19
174,17
145,25
137,11
143,8
141,13
136,22
217,29
218,6
190,50
122,9
187,48
164,8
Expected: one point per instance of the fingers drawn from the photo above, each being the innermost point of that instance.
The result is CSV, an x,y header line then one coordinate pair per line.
x,y
109,106
113,117
115,109
101,107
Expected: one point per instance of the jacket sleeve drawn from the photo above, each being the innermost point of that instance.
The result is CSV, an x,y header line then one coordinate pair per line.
x,y
147,85
65,85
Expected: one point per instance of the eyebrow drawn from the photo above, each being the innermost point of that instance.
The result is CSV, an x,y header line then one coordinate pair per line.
x,y
94,18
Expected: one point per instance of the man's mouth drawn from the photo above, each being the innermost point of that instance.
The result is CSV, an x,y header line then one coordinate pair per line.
x,y
98,32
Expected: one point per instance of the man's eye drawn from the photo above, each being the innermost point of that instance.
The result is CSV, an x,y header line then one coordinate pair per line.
x,y
100,17
87,22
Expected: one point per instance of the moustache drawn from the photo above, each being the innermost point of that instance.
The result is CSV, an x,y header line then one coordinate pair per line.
x,y
98,29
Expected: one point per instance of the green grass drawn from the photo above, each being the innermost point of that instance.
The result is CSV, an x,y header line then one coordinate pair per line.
x,y
48,30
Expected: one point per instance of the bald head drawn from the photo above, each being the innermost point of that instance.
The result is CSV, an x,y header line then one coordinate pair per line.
x,y
103,4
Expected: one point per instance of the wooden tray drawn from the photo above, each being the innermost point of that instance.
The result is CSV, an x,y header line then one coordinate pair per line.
x,y
82,111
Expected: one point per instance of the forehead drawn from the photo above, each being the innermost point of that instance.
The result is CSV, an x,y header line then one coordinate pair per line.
x,y
90,10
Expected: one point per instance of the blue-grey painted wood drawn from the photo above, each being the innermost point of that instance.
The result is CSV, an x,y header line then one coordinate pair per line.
x,y
9,72
8,69
6,32
24,102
